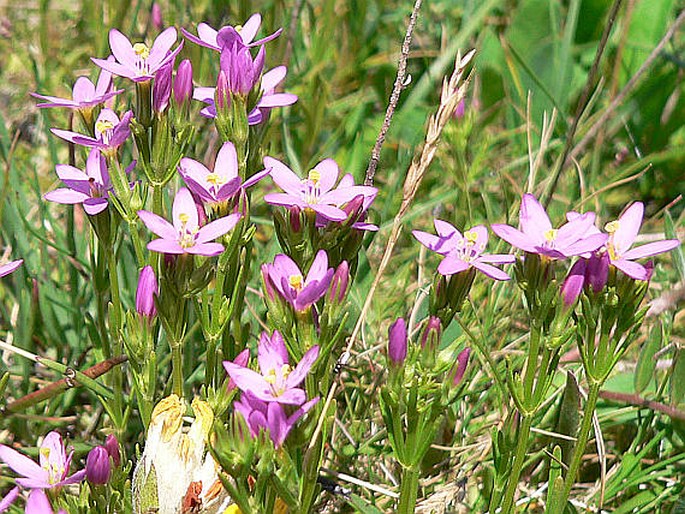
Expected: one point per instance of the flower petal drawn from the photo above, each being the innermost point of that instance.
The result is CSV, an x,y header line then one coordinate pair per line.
x,y
121,49
272,353
329,212
227,161
158,225
451,265
184,211
65,196
94,206
632,269
650,249
490,271
284,176
217,228
21,464
297,375
206,249
515,237
533,218
318,268
328,169
628,226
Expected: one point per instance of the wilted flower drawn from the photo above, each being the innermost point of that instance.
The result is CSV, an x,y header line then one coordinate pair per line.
x,y
10,267
110,132
622,234
537,235
85,94
285,276
186,235
270,416
90,188
463,251
175,461
52,470
98,466
397,342
145,293
138,62
207,36
220,184
277,382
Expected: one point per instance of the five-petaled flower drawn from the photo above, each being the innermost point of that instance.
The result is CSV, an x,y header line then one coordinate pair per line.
x,y
278,381
91,188
285,276
539,237
208,37
220,184
317,191
110,132
186,235
52,470
622,234
463,251
139,62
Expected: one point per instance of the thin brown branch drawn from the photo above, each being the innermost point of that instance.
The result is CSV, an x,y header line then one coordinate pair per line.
x,y
638,401
400,84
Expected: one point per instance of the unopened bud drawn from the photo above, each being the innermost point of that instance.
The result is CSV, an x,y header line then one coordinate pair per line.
x,y
146,292
98,466
397,342
295,218
112,447
597,272
241,360
430,339
183,83
161,90
339,283
573,284
457,372
156,16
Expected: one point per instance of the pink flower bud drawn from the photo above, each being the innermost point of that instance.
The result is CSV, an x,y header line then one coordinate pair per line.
x,y
222,94
597,272
295,220
112,447
98,466
397,342
459,368
156,16
431,334
573,284
460,110
161,90
339,283
146,292
183,83
268,286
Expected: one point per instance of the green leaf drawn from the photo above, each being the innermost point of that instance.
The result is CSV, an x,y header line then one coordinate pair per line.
x,y
677,253
677,390
360,504
569,417
646,364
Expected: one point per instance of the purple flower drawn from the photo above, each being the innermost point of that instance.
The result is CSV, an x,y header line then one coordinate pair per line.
x,y
277,382
139,62
98,466
186,235
91,188
220,184
38,503
269,97
356,208
622,234
145,293
537,235
53,468
10,267
207,36
285,276
270,416
183,83
110,132
316,192
463,251
84,94
397,342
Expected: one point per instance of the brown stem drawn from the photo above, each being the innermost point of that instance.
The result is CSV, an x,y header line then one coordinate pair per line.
x,y
638,401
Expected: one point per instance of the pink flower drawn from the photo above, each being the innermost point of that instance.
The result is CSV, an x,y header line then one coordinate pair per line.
x,y
285,277
139,62
277,382
463,251
207,36
110,131
622,234
537,235
52,470
186,235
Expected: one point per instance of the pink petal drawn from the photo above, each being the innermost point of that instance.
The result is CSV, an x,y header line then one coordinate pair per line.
x,y
490,271
329,212
122,49
451,265
120,70
66,196
445,230
193,169
21,464
184,205
318,268
165,246
249,380
206,249
650,249
497,258
328,169
227,161
38,503
83,90
217,228
9,499
628,226
632,269
8,268
533,218
277,100
273,77
272,353
285,266
250,28
283,176
161,46
94,206
515,237
285,199
297,375
255,178
158,225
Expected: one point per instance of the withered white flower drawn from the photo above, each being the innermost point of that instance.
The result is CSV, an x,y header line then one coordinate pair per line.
x,y
175,475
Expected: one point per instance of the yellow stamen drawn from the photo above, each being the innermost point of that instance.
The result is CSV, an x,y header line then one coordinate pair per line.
x,y
285,370
314,176
215,179
612,226
551,234
238,28
141,50
183,217
103,126
295,282
470,236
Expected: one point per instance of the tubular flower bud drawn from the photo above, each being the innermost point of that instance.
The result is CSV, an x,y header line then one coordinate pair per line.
x,y
397,342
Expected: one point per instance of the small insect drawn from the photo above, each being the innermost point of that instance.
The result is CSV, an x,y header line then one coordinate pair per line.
x,y
333,487
342,362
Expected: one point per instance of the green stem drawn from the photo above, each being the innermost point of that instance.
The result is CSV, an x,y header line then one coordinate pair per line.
x,y
177,368
532,364
157,199
583,437
517,467
409,489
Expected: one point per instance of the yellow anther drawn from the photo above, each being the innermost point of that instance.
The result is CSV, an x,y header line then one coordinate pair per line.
x,y
238,28
295,282
314,176
141,50
551,234
285,370
183,217
612,226
470,236
103,126
271,377
215,179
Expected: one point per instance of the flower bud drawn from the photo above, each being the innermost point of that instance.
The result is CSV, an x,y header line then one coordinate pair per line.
x,y
460,110
597,272
573,284
339,283
112,447
222,94
295,219
457,372
183,83
268,286
156,16
98,467
354,208
146,292
161,90
430,341
397,342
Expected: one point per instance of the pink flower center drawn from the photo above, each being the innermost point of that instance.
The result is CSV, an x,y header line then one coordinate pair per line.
x,y
296,282
105,128
311,190
277,379
142,53
187,237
